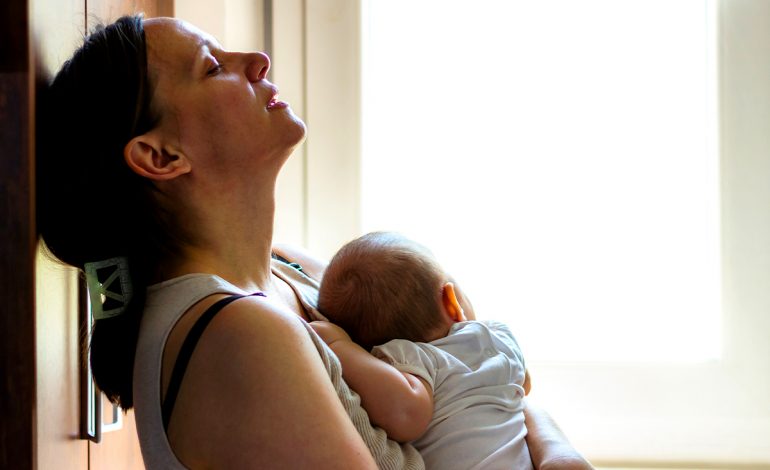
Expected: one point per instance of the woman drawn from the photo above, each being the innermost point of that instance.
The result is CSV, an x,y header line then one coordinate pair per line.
x,y
157,161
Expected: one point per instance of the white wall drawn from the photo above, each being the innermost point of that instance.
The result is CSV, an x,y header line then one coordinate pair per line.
x,y
237,24
288,55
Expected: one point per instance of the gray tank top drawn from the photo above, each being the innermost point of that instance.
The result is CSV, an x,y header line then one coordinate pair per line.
x,y
165,305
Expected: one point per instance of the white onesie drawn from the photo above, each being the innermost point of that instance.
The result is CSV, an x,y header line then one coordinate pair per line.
x,y
477,374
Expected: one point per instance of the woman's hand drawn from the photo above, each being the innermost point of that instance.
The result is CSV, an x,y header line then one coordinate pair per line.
x,y
548,446
329,332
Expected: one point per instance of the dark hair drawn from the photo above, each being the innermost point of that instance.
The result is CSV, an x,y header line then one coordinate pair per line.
x,y
383,286
90,205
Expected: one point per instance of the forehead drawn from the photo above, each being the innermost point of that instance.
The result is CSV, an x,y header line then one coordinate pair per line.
x,y
172,44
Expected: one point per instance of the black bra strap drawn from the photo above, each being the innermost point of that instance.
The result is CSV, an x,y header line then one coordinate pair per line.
x,y
285,261
280,258
185,353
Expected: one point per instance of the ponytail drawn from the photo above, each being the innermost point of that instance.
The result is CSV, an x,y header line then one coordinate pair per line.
x,y
90,205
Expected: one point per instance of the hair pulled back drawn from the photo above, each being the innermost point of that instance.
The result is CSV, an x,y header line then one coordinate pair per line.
x,y
90,205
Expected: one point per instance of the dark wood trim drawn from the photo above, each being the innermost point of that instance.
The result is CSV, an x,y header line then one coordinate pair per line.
x,y
17,246
14,36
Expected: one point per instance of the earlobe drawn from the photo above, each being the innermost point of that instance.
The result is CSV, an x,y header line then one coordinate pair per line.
x,y
452,306
146,156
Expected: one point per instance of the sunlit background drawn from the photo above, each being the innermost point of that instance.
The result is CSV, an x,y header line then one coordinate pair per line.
x,y
594,173
559,157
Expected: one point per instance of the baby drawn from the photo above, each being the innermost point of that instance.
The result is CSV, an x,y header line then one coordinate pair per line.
x,y
435,376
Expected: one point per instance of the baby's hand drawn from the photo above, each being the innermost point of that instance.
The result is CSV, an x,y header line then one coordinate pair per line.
x,y
329,332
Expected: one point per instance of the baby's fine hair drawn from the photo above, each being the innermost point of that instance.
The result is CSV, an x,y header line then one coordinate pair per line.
x,y
383,286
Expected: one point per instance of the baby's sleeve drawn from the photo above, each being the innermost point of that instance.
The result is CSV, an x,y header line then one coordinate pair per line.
x,y
409,357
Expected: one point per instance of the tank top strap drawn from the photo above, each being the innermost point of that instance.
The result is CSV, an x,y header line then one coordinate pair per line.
x,y
185,353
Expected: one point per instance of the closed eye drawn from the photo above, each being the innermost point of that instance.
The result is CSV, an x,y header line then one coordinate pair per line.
x,y
214,70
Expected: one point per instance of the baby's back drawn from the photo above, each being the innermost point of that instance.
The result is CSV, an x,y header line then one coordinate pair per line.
x,y
477,374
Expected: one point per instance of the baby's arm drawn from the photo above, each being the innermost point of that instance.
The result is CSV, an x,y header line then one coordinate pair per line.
x,y
399,403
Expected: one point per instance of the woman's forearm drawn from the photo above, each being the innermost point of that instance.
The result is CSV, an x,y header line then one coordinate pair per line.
x,y
548,446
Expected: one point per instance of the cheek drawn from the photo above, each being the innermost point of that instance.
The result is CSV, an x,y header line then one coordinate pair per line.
x,y
196,133
217,133
213,106
227,120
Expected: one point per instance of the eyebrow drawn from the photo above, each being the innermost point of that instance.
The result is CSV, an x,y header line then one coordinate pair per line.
x,y
209,44
202,47
205,43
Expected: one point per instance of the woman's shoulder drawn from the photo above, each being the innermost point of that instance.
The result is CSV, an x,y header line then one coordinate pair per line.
x,y
246,330
253,366
242,329
236,351
254,322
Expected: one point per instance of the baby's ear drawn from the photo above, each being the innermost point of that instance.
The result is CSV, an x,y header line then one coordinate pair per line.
x,y
147,156
451,305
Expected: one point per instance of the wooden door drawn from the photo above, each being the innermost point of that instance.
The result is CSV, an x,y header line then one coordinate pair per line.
x,y
17,242
57,27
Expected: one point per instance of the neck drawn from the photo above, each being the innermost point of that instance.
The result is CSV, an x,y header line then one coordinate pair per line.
x,y
440,331
233,239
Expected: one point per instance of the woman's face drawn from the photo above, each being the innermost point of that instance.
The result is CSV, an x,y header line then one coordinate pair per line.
x,y
216,107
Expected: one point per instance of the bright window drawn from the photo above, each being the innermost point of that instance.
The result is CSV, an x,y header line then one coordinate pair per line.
x,y
559,157
641,304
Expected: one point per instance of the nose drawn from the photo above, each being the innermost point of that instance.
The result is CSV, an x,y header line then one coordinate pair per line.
x,y
257,66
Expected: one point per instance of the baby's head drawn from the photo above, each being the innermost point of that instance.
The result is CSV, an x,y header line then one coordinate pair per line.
x,y
383,286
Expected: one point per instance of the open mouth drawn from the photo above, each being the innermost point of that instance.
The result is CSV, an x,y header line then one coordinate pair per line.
x,y
275,103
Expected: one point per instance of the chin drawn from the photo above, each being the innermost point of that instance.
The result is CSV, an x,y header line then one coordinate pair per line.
x,y
299,131
292,138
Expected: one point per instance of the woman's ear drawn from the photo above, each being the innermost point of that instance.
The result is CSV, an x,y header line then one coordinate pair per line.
x,y
450,303
147,156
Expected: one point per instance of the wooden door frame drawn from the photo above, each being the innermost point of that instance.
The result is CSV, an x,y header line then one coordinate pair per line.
x,y
17,247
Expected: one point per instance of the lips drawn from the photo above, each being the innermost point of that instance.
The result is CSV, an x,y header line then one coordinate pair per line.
x,y
273,93
274,103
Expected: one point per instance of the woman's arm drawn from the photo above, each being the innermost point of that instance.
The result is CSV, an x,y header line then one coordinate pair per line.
x,y
256,395
399,403
548,446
